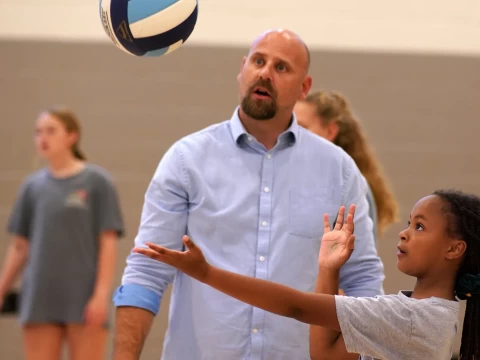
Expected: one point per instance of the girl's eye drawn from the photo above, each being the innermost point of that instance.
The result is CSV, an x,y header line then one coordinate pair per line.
x,y
418,226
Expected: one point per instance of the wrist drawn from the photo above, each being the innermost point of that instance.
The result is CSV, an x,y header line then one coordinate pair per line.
x,y
327,281
328,271
101,293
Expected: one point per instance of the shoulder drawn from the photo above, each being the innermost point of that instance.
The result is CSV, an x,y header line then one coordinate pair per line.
x,y
317,146
194,148
34,179
205,138
377,304
435,308
98,174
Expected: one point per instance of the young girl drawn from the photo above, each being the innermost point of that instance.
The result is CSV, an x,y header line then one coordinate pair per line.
x,y
65,224
329,115
440,247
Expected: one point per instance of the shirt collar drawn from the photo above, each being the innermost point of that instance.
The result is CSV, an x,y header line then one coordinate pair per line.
x,y
238,130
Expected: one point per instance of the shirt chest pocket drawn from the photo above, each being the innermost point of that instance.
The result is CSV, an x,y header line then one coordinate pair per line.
x,y
306,209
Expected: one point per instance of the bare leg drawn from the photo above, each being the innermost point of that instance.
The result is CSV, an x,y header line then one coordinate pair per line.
x,y
43,341
86,342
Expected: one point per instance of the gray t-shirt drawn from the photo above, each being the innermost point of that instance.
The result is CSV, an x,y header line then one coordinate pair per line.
x,y
62,220
397,327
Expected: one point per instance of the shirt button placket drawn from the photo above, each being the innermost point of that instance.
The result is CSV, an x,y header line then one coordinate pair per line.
x,y
264,231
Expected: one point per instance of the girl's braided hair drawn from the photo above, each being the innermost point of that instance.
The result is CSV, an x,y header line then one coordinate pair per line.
x,y
463,218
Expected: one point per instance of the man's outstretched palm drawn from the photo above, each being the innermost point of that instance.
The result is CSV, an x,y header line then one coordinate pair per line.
x,y
337,244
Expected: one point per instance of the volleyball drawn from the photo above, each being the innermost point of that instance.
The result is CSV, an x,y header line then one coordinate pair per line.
x,y
148,27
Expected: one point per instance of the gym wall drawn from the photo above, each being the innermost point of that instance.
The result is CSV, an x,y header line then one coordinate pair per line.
x,y
411,71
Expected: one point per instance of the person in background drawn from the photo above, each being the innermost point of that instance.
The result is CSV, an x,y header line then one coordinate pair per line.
x,y
65,224
260,175
328,115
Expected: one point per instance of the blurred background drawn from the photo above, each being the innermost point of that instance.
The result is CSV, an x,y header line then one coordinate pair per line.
x,y
410,69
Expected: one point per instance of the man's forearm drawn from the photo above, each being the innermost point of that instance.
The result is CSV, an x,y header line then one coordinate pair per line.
x,y
131,329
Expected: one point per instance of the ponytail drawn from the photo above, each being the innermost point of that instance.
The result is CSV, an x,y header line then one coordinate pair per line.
x,y
77,153
468,288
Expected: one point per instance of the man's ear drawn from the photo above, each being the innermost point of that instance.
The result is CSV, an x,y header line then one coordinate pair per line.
x,y
241,68
306,86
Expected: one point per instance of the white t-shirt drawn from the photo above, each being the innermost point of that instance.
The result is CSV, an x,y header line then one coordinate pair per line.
x,y
397,327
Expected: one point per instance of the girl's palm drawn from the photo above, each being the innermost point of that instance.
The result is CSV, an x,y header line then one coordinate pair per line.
x,y
338,243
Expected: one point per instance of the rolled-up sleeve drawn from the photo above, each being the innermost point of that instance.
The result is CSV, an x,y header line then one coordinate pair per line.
x,y
163,221
363,274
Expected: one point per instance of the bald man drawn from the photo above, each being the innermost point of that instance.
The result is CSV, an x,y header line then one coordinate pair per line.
x,y
251,192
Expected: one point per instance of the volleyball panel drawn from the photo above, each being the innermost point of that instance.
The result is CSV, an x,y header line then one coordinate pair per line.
x,y
179,33
142,9
104,9
121,27
162,21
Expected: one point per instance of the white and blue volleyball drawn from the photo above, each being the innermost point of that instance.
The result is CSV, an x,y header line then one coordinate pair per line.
x,y
148,27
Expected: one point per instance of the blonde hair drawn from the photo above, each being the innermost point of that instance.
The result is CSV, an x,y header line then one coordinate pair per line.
x,y
72,124
332,106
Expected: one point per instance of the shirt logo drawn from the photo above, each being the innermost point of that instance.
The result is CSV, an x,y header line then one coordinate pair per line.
x,y
78,198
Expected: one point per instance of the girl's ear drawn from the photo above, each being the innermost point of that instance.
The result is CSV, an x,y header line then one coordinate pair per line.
x,y
456,249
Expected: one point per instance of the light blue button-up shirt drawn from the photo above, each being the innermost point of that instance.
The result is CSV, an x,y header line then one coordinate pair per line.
x,y
253,212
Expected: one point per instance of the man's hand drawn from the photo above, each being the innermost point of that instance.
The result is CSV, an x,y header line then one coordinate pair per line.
x,y
191,262
337,244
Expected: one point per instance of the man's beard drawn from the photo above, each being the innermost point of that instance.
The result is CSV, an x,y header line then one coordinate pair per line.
x,y
260,109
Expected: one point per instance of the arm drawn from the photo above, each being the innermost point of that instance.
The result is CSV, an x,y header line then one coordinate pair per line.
x,y
132,327
163,221
362,275
310,308
328,343
16,258
316,309
96,310
18,251
110,228
109,220
106,264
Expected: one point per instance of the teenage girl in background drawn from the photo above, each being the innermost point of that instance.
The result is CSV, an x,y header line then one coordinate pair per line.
x,y
328,115
65,225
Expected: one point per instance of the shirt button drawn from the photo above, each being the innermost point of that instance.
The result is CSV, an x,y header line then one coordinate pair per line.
x,y
255,331
269,156
266,189
250,138
262,258
264,223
